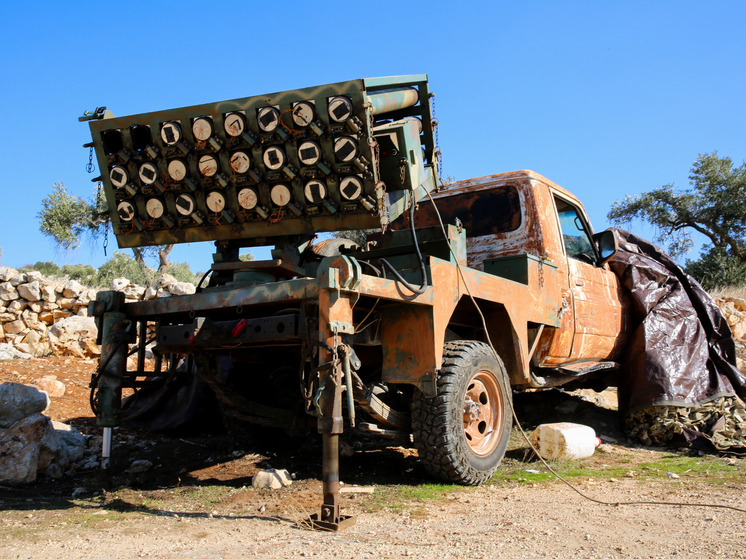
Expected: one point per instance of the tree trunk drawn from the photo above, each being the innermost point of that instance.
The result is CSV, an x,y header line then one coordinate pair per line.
x,y
164,264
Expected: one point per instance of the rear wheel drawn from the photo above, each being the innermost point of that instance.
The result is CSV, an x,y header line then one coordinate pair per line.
x,y
462,434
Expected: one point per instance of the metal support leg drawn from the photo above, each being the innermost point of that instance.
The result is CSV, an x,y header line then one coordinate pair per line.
x,y
115,332
333,312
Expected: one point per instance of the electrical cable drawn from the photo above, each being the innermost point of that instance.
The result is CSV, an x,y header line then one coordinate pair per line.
x,y
520,427
414,289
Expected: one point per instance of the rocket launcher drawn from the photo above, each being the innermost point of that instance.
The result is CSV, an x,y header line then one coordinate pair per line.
x,y
347,155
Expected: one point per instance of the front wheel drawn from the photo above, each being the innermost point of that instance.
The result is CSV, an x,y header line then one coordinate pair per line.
x,y
462,433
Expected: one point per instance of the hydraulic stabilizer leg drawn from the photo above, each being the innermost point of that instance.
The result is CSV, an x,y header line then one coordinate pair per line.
x,y
115,332
335,313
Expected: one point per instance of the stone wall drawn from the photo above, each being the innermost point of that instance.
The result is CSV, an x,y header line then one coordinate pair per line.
x,y
41,316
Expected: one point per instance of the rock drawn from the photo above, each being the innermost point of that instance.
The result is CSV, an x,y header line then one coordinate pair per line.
x,y
35,307
34,275
65,303
72,289
54,471
85,298
7,317
165,280
7,351
18,401
182,288
8,292
50,385
271,479
46,317
15,327
36,343
75,336
20,448
62,444
58,315
18,279
30,291
139,466
79,492
17,306
89,463
48,293
119,284
134,292
30,317
151,293
7,272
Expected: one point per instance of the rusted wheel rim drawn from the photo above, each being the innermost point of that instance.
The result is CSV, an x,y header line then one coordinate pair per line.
x,y
483,413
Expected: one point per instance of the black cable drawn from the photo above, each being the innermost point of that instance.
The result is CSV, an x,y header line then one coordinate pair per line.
x,y
417,290
207,273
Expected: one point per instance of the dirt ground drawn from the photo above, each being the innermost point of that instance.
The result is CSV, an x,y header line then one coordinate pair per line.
x,y
197,500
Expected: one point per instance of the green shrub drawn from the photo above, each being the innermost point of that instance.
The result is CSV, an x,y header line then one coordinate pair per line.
x,y
83,273
717,269
121,266
48,268
182,272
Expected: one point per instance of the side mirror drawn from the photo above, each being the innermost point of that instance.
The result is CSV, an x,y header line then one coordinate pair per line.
x,y
607,245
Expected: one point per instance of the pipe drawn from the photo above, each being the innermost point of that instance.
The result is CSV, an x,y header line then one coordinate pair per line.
x,y
390,100
348,384
106,449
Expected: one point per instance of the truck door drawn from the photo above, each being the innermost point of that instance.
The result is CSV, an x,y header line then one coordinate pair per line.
x,y
595,289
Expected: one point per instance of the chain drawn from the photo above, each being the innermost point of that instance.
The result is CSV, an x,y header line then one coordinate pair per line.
x,y
438,153
90,167
99,203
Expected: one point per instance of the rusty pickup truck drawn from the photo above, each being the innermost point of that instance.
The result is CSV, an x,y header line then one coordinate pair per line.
x,y
419,333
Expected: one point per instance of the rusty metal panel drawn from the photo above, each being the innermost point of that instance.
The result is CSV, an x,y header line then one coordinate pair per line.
x,y
408,337
226,298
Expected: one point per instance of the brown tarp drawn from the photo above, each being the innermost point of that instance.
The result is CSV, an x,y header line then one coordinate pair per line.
x,y
681,352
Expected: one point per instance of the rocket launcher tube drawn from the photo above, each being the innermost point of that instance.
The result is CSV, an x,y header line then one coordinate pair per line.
x,y
390,100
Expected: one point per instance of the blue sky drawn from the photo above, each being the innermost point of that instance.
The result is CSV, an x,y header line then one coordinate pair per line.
x,y
604,98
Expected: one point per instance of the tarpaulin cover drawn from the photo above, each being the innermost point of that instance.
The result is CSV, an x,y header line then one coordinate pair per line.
x,y
681,352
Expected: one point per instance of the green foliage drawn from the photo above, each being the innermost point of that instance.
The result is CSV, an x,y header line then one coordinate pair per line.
x,y
83,273
48,268
717,269
66,217
122,265
182,272
715,206
358,236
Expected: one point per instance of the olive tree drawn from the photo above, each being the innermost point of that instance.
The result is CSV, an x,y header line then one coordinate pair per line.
x,y
714,205
67,218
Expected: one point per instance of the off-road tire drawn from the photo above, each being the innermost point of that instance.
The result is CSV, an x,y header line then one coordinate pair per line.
x,y
441,425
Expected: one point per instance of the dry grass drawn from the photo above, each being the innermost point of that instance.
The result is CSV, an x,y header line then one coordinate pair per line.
x,y
735,291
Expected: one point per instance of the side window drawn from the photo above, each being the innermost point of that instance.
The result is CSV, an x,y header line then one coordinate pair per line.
x,y
578,243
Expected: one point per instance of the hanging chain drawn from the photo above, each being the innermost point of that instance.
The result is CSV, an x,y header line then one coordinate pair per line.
x,y
438,153
90,167
107,219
